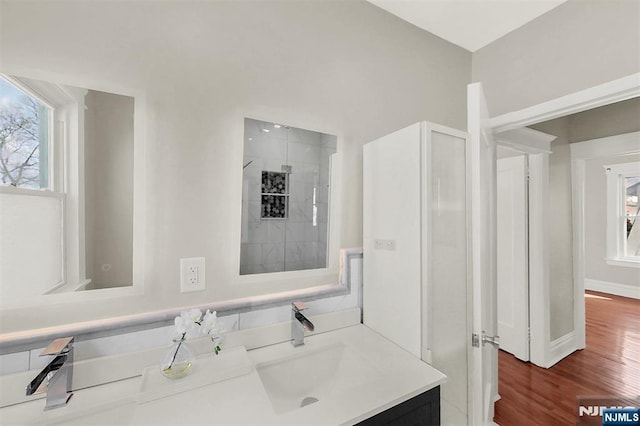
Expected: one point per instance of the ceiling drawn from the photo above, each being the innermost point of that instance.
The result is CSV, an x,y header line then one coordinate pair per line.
x,y
471,24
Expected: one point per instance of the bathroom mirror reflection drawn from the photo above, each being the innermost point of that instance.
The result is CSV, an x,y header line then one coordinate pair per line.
x,y
66,189
286,197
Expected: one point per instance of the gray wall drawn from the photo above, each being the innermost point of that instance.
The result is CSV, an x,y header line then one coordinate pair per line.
x,y
577,45
108,168
609,120
560,229
345,68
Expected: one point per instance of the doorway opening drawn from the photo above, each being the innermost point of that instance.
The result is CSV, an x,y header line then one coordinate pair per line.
x,y
557,307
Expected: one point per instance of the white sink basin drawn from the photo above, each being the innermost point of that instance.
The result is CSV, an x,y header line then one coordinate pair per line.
x,y
311,375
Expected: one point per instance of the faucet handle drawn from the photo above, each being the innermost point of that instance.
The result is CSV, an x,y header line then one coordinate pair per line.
x,y
298,306
58,346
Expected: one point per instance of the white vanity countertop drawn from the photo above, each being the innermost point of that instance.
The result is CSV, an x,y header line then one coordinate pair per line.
x,y
395,377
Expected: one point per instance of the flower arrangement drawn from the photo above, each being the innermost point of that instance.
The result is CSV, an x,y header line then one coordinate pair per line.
x,y
189,324
193,322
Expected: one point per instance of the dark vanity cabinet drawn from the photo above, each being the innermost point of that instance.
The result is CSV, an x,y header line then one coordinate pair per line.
x,y
421,410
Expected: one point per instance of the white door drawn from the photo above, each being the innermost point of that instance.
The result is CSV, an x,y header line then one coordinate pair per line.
x,y
512,276
484,355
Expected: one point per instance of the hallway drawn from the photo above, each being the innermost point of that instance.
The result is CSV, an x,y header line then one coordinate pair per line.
x,y
609,366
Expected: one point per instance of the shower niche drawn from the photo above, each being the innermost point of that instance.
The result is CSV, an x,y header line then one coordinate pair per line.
x,y
286,196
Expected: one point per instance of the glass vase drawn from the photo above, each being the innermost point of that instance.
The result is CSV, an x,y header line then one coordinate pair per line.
x,y
178,360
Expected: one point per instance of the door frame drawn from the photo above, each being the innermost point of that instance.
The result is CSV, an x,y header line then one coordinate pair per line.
x,y
603,94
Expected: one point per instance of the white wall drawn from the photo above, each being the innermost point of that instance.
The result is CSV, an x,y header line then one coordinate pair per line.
x,y
577,45
345,68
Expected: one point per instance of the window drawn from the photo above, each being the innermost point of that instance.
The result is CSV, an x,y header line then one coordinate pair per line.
x,y
24,138
623,230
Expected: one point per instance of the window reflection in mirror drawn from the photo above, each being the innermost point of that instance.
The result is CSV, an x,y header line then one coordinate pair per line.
x,y
66,188
285,198
24,138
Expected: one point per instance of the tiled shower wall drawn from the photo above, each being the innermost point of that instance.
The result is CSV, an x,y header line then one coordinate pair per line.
x,y
299,241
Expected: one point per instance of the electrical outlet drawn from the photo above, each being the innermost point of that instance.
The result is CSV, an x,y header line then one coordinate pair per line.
x,y
192,274
384,245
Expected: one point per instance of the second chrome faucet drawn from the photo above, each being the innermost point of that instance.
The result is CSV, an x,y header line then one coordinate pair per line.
x,y
299,323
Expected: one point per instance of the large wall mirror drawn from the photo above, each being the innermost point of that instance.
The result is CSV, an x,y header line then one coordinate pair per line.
x,y
66,189
286,197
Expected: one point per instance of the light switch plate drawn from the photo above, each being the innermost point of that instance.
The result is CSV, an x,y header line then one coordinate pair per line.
x,y
192,274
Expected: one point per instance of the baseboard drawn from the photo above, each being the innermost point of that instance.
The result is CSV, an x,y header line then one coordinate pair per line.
x,y
561,348
624,290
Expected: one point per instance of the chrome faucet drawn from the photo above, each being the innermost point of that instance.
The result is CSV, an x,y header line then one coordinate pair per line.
x,y
56,377
299,323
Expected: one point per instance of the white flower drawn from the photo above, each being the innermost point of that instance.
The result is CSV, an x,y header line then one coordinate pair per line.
x,y
186,322
208,323
191,323
193,314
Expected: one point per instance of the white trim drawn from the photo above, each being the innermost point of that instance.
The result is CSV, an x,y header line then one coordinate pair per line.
x,y
561,348
539,293
628,263
612,146
8,189
616,215
627,169
603,94
577,212
624,290
426,314
526,140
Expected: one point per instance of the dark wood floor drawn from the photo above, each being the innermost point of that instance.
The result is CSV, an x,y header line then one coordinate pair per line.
x,y
610,365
